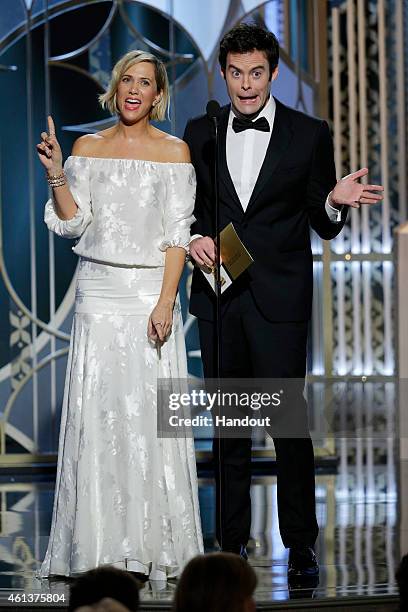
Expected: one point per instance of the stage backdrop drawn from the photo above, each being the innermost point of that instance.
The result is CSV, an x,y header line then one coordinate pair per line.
x,y
342,60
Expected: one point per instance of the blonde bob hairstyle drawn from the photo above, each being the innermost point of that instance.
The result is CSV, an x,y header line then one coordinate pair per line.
x,y
108,99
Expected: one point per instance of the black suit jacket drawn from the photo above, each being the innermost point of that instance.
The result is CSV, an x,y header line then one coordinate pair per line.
x,y
289,196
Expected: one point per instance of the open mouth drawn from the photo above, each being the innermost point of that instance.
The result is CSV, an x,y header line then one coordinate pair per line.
x,y
132,103
248,99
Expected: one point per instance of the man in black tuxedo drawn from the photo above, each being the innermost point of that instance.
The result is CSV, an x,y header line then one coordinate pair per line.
x,y
277,178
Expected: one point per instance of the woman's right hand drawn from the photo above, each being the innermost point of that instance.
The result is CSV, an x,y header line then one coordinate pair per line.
x,y
203,251
49,150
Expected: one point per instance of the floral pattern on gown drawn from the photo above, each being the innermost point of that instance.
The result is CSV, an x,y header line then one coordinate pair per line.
x,y
123,496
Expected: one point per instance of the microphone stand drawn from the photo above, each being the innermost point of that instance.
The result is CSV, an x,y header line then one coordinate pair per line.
x,y
218,319
218,352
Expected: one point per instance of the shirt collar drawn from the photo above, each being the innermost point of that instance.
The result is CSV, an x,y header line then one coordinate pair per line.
x,y
268,112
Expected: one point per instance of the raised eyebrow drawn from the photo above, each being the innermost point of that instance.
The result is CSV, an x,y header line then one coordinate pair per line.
x,y
232,67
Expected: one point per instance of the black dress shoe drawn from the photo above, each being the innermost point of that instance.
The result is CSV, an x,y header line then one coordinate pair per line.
x,y
237,550
302,563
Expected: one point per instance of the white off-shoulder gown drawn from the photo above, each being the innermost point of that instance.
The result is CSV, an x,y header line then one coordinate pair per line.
x,y
123,496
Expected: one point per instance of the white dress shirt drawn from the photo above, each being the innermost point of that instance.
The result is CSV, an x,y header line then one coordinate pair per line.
x,y
246,152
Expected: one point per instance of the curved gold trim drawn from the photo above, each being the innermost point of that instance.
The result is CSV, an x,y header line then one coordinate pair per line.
x,y
40,18
14,295
77,69
181,58
16,391
86,46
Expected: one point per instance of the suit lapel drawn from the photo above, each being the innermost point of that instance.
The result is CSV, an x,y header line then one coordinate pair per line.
x,y
225,176
278,144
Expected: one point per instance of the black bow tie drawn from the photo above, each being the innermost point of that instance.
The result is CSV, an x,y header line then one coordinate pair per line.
x,y
261,124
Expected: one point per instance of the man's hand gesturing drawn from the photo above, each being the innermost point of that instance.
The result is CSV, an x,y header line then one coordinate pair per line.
x,y
349,191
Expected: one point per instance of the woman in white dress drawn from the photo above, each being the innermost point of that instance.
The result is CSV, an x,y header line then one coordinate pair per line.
x,y
123,496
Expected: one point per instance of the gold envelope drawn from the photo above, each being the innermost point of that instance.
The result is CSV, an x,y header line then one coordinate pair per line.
x,y
235,257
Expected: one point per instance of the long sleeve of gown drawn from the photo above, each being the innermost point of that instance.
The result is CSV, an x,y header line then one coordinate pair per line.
x,y
178,206
78,177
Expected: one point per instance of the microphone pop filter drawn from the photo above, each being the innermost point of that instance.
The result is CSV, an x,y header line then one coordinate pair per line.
x,y
213,109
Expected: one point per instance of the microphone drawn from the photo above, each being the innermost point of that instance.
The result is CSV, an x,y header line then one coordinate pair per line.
x,y
213,110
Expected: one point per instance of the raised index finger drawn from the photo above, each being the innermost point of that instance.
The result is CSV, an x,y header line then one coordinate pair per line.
x,y
51,126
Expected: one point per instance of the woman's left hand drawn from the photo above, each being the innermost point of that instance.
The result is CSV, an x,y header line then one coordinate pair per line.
x,y
160,321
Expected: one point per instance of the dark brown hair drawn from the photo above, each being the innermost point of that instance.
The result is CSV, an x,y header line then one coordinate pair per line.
x,y
220,582
247,37
107,581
